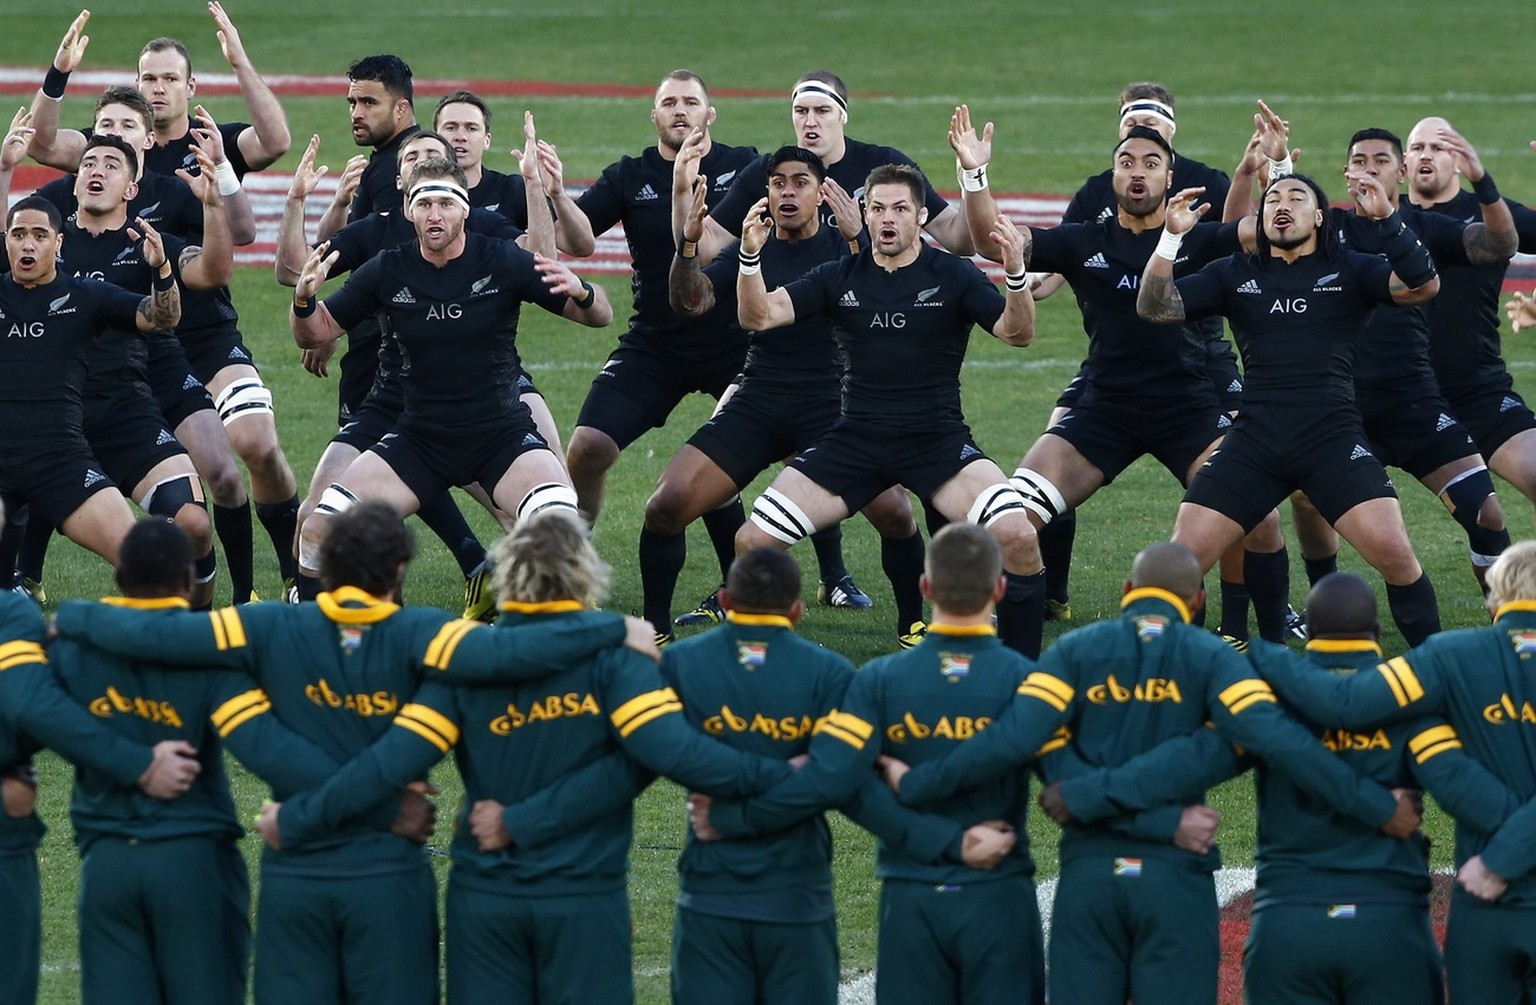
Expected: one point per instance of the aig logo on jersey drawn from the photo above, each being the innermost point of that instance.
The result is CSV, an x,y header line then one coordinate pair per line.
x,y
444,312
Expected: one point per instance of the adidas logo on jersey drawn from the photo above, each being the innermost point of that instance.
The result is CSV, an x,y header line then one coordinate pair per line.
x,y
1359,452
93,477
1443,423
1508,404
191,383
235,352
1251,286
164,438
1236,387
1104,214
969,452
532,440
1225,422
1096,262
646,194
848,300
404,296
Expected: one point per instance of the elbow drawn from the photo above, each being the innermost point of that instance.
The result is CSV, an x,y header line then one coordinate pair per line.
x,y
1019,338
577,245
1419,294
243,234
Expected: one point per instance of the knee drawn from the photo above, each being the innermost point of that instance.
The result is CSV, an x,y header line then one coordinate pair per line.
x,y
311,535
1017,539
751,536
192,518
591,452
1267,537
225,486
892,517
666,511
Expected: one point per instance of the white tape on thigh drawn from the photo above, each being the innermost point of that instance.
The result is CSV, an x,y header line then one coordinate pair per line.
x,y
1040,496
549,495
243,397
994,503
776,515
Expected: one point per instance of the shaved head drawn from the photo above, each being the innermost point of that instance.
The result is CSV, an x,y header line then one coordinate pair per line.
x,y
1167,566
1428,127
1342,606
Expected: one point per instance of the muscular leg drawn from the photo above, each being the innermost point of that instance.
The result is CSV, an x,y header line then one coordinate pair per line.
x,y
367,477
100,524
1515,462
252,432
794,507
1318,542
901,553
164,492
591,453
543,420
535,469
1466,488
208,445
691,486
1057,540
978,494
1375,529
1205,532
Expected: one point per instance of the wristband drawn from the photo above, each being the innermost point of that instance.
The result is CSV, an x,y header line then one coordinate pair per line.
x,y
974,179
54,83
1281,168
228,181
1168,245
1016,283
1486,191
166,282
304,308
588,299
1405,252
751,264
688,249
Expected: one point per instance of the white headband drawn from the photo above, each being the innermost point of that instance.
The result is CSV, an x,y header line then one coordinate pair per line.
x,y
1146,106
439,186
817,87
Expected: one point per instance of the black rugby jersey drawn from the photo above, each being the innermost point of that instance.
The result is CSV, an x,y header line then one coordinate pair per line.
x,y
1464,317
164,159
851,171
1297,325
800,359
457,327
377,191
1129,357
904,333
44,333
506,194
164,201
637,191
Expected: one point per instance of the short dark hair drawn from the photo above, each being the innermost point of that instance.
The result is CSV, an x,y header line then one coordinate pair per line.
x,y
132,98
1144,90
164,43
435,167
1378,133
764,581
117,143
963,564
154,558
37,202
688,75
430,134
462,97
797,155
1342,606
365,547
388,69
898,174
1143,133
827,77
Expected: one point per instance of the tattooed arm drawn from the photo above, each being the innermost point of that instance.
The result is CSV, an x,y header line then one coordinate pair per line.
x,y
1158,298
161,310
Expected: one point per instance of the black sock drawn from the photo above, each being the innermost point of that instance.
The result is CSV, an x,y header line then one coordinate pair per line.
x,y
1234,609
828,543
1415,609
722,525
443,516
661,562
34,550
232,524
281,521
1269,583
902,560
1056,541
10,544
933,519
1197,617
308,586
1317,568
1021,613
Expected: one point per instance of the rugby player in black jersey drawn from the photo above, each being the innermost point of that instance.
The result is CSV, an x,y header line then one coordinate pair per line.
x,y
819,110
1409,422
377,413
464,119
1472,375
785,399
1144,388
451,298
48,320
661,358
902,313
1299,306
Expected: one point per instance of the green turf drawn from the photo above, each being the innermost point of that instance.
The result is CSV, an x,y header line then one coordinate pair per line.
x,y
1047,73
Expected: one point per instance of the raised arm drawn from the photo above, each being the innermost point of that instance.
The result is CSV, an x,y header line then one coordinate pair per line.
x,y
586,304
211,264
161,310
685,183
49,146
292,246
267,138
1414,279
1157,299
690,291
335,216
972,155
757,307
573,231
13,149
237,205
1495,238
310,320
540,238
